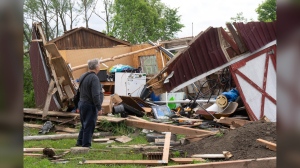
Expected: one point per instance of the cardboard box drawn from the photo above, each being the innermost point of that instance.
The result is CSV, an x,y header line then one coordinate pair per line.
x,y
106,105
115,99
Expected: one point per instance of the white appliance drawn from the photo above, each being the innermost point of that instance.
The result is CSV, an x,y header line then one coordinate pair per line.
x,y
129,83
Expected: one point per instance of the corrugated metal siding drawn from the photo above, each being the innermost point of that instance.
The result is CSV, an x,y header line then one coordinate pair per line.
x,y
256,34
83,38
40,83
203,54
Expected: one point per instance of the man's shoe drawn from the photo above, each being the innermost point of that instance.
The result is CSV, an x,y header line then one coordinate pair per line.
x,y
78,145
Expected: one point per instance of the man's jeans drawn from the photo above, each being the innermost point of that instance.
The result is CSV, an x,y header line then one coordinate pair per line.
x,y
88,118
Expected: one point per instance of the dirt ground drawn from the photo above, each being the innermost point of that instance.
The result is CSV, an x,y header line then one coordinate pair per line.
x,y
241,142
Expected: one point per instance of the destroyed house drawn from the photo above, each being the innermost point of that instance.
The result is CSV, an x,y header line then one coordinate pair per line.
x,y
61,60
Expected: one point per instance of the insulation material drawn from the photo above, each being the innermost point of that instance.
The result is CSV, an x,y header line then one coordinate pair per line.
x,y
255,78
79,57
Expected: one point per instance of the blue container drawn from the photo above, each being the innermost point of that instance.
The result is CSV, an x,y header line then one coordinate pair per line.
x,y
154,97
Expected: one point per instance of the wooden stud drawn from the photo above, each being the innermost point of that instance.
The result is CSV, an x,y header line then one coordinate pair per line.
x,y
165,127
166,150
186,160
236,38
140,162
48,99
269,145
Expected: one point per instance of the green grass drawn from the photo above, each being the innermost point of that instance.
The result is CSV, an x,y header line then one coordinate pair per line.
x,y
74,159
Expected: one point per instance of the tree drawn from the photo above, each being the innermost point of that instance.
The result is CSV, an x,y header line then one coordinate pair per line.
x,y
73,12
88,7
107,10
238,18
267,11
140,20
60,7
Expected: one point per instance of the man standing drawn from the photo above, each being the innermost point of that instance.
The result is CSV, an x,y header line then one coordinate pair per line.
x,y
91,98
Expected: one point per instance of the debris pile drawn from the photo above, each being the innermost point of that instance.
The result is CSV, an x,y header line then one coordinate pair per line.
x,y
241,142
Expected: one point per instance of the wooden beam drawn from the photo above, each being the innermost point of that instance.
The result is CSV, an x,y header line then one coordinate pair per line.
x,y
269,162
116,57
53,137
166,128
140,162
50,113
166,150
270,145
236,38
33,154
186,160
101,140
230,121
48,99
57,128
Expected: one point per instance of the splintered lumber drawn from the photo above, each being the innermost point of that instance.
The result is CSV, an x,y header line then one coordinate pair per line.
x,y
134,147
53,137
140,162
50,113
57,128
166,128
230,121
123,139
28,150
269,162
166,149
101,140
110,119
186,160
270,145
116,57
48,99
225,154
32,154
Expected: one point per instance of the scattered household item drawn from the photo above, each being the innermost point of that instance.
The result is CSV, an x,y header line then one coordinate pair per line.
x,y
46,127
217,111
121,68
129,84
161,112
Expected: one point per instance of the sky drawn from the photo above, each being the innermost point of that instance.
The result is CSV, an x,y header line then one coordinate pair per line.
x,y
200,13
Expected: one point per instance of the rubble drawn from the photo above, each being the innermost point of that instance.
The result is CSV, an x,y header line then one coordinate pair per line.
x,y
210,110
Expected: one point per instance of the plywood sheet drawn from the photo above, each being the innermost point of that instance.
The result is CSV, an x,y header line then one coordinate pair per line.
x,y
79,57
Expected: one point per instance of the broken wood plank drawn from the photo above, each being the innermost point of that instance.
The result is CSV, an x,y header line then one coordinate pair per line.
x,y
56,128
136,118
116,57
270,145
134,147
165,127
48,99
140,162
110,119
69,91
193,139
228,121
33,154
52,137
236,38
225,154
166,150
50,113
101,140
187,160
28,150
123,139
55,119
269,162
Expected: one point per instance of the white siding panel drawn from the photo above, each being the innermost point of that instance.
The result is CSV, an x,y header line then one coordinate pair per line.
x,y
271,80
270,110
254,69
252,96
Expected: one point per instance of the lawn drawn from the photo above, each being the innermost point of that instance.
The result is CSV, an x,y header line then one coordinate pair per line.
x,y
93,154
